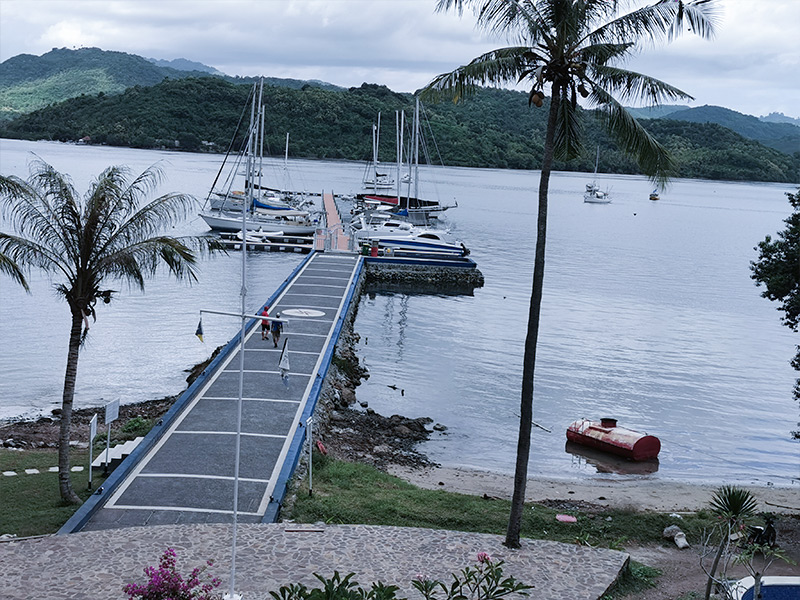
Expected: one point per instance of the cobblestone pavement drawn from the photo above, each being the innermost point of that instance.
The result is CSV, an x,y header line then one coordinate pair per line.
x,y
96,565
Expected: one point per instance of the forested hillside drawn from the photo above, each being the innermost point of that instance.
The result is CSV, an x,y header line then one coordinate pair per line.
x,y
781,136
495,128
29,82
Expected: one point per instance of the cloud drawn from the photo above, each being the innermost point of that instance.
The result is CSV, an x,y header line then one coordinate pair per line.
x,y
750,67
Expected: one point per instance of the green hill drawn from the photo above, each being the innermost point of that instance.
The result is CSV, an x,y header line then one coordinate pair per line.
x,y
29,82
495,128
781,136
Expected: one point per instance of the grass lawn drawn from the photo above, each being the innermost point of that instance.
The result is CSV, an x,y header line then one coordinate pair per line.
x,y
355,493
31,503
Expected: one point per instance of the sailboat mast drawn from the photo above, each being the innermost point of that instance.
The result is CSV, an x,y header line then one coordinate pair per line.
x,y
399,142
416,150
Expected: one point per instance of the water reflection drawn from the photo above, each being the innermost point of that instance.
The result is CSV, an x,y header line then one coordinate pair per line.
x,y
584,458
418,288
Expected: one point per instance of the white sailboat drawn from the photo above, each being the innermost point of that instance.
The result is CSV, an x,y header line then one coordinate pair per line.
x,y
409,204
593,193
373,178
273,214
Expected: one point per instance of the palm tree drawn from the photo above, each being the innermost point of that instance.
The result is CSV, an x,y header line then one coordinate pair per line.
x,y
573,47
112,233
733,505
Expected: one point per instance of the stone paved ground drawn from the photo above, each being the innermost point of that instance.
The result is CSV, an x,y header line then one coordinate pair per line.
x,y
96,565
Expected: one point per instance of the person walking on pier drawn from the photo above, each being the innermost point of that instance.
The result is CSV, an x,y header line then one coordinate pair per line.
x,y
276,328
265,324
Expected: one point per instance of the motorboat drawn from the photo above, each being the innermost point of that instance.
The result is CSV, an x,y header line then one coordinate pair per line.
x,y
383,231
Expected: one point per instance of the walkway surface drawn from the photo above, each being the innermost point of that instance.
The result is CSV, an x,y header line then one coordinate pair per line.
x,y
187,477
338,239
92,565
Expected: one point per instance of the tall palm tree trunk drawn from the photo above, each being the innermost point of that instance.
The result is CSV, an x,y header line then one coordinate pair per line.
x,y
531,338
64,481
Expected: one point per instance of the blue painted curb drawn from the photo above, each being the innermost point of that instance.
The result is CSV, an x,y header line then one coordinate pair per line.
x,y
96,501
296,447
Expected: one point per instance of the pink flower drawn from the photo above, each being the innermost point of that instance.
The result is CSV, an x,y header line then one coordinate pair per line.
x,y
484,558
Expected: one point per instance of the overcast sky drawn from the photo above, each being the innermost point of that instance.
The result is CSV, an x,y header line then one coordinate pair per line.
x,y
753,65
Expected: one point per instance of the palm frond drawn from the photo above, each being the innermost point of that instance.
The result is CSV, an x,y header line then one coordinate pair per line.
x,y
568,132
664,20
631,86
10,268
497,66
28,253
652,157
733,503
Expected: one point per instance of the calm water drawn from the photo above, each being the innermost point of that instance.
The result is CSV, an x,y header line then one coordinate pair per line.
x,y
649,315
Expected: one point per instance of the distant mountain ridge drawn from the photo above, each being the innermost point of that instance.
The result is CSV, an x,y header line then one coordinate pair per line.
x,y
29,82
774,130
781,136
183,64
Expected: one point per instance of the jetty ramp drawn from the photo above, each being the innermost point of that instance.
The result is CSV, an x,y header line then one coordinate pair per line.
x,y
183,472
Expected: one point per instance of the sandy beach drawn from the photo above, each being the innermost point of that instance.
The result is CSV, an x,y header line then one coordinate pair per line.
x,y
657,496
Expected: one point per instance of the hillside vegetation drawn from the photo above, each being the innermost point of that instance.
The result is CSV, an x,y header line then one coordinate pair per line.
x,y
495,128
29,82
781,136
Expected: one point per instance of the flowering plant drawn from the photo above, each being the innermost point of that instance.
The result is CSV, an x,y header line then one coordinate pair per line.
x,y
482,582
166,583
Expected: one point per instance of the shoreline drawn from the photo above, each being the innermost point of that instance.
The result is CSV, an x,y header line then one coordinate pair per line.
x,y
641,495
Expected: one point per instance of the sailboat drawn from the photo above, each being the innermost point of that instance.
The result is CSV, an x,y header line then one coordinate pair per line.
x,y
410,205
373,178
593,193
273,214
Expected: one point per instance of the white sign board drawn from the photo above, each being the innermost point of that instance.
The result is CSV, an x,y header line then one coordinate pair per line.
x,y
112,411
93,428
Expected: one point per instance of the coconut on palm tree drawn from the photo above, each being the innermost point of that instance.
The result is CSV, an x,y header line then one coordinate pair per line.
x,y
571,48
113,233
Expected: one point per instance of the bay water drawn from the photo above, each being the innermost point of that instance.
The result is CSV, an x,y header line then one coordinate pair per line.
x,y
649,316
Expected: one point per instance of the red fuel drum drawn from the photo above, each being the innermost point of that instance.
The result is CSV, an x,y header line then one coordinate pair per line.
x,y
605,435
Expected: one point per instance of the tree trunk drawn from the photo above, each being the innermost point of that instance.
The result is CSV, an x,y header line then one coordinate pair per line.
x,y
726,534
64,481
532,336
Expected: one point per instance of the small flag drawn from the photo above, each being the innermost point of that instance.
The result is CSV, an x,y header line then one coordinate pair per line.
x,y
283,363
199,332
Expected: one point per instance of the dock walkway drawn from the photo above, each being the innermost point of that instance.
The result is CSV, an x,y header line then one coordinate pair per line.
x,y
187,476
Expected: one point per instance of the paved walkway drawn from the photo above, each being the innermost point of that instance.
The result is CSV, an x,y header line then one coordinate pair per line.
x,y
187,477
92,565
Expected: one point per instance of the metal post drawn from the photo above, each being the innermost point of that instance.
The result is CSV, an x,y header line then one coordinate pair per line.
x,y
108,449
310,434
92,434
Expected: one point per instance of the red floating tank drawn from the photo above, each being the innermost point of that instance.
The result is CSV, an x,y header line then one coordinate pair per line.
x,y
606,436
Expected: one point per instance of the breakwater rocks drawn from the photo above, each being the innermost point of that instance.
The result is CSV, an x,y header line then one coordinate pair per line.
x,y
434,276
363,435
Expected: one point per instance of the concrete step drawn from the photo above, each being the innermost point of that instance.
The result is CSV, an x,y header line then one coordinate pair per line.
x,y
116,454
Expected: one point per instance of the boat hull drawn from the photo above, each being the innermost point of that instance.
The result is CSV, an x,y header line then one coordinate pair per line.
x,y
606,436
234,223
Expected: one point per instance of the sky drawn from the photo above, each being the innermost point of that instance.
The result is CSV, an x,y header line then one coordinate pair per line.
x,y
752,66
